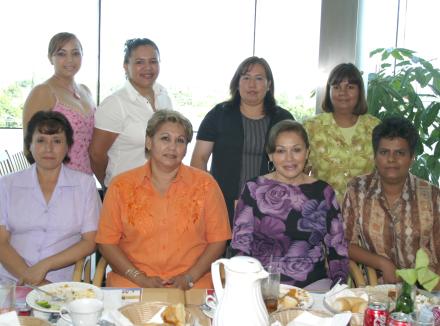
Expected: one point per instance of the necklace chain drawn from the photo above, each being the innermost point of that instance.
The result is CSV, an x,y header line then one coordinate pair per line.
x,y
73,91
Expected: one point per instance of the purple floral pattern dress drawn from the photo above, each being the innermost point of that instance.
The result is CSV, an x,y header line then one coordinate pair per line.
x,y
300,227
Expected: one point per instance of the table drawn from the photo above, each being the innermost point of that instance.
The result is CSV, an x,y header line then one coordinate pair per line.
x,y
114,298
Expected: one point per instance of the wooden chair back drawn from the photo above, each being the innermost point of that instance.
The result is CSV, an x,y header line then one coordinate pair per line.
x,y
83,270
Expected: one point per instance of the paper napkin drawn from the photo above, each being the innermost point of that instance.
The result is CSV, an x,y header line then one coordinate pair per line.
x,y
9,319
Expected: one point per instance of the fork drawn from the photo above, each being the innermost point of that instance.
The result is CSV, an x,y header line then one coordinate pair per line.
x,y
53,296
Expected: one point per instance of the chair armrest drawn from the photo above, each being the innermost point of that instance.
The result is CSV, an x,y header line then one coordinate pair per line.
x,y
356,274
78,270
372,276
100,272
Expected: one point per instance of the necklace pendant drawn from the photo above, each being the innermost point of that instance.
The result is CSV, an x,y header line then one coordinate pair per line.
x,y
76,95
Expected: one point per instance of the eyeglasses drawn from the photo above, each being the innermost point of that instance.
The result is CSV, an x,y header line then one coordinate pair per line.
x,y
256,79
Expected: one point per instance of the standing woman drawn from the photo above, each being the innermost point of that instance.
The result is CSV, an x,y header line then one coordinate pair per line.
x,y
235,131
62,94
119,134
340,138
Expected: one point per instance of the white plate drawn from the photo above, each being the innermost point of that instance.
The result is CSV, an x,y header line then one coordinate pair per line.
x,y
59,288
303,296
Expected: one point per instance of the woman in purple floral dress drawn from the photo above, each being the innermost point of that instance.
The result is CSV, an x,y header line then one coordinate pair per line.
x,y
290,218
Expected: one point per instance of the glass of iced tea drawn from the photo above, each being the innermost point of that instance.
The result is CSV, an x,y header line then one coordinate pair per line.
x,y
7,295
270,289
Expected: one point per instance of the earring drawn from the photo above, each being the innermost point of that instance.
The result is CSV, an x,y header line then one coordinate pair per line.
x,y
270,166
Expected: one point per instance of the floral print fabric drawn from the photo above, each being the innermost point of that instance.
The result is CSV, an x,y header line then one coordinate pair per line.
x,y
332,158
298,228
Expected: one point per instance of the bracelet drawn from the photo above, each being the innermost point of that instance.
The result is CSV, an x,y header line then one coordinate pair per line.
x,y
132,273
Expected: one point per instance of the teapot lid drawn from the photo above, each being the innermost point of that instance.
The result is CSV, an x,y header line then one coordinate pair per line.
x,y
244,264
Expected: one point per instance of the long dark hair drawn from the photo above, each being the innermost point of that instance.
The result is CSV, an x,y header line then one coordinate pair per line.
x,y
243,68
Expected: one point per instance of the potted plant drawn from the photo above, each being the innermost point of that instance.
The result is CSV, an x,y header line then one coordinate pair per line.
x,y
409,86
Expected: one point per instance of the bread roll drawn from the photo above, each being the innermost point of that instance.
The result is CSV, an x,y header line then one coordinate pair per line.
x,y
342,304
359,307
353,304
288,302
174,315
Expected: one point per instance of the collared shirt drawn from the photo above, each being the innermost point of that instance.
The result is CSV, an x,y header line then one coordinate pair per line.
x,y
163,235
395,232
126,113
38,229
335,160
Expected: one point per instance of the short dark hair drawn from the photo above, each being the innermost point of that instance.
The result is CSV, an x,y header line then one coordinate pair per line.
x,y
58,40
396,127
243,68
285,126
134,43
350,72
161,116
48,123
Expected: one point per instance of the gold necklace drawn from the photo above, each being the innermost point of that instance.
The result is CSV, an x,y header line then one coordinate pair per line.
x,y
73,91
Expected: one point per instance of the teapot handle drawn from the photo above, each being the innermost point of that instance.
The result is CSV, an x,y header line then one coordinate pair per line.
x,y
216,279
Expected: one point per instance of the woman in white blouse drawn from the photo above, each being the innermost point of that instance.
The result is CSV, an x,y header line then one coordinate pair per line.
x,y
121,119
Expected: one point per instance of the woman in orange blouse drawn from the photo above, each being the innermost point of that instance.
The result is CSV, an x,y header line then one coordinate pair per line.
x,y
164,223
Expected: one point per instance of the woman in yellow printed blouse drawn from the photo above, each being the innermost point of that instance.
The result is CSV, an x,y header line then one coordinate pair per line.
x,y
340,138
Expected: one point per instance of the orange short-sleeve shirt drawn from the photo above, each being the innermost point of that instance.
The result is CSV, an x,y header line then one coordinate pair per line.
x,y
163,235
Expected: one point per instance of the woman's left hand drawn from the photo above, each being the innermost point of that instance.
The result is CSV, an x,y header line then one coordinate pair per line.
x,y
35,274
180,282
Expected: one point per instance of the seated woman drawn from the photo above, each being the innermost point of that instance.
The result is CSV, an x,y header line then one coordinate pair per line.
x,y
164,223
289,219
390,214
48,212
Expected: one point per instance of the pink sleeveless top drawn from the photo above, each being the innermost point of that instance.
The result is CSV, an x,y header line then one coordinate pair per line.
x,y
82,136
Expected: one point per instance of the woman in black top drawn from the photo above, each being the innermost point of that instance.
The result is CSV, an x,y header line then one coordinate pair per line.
x,y
235,131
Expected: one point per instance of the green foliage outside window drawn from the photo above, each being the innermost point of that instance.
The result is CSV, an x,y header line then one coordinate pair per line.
x,y
11,103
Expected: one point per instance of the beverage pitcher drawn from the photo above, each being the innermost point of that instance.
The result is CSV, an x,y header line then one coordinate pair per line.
x,y
240,302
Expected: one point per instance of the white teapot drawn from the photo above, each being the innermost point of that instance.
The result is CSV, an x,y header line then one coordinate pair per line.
x,y
240,302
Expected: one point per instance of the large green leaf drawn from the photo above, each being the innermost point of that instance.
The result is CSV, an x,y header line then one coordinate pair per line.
x,y
430,114
396,54
376,51
406,52
385,55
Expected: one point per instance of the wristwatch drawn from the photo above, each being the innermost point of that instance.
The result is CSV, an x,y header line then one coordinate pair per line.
x,y
189,280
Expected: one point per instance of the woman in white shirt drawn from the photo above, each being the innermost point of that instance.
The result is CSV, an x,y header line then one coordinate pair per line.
x,y
121,119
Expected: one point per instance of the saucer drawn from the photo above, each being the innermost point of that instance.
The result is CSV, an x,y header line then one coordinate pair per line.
x,y
209,313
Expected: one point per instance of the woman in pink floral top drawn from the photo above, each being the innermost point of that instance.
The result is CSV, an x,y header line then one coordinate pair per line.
x,y
62,94
290,218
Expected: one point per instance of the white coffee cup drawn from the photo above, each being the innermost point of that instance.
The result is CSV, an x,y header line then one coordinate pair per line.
x,y
83,312
211,301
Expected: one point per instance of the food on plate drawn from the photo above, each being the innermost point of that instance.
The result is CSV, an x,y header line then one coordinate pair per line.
x,y
353,304
43,304
66,291
292,298
174,315
287,302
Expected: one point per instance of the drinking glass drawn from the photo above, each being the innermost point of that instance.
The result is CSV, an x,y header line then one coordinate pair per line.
x,y
270,288
422,319
7,295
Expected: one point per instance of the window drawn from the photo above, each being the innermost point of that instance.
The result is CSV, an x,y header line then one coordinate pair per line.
x,y
24,64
